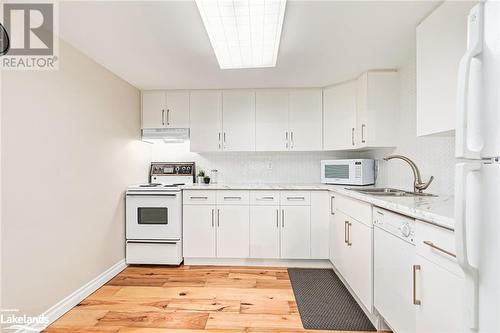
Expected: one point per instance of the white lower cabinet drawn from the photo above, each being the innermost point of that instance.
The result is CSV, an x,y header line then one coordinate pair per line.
x,y
296,232
233,231
199,231
264,232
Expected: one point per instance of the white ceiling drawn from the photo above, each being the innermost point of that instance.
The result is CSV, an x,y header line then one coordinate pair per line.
x,y
163,44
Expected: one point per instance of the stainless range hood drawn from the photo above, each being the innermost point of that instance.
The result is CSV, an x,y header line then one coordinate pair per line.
x,y
166,135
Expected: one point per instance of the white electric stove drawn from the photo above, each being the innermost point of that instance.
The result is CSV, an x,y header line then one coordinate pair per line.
x,y
154,215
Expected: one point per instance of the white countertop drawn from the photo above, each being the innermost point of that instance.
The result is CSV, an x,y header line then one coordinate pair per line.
x,y
438,210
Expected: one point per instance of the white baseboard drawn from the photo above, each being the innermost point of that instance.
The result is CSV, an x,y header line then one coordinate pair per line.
x,y
76,297
303,263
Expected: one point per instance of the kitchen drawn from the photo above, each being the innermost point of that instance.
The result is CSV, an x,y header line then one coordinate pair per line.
x,y
337,177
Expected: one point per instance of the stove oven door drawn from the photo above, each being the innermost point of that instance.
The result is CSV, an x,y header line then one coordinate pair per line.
x,y
153,216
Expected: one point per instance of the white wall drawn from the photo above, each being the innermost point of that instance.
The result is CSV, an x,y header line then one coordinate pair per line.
x,y
251,167
434,155
69,145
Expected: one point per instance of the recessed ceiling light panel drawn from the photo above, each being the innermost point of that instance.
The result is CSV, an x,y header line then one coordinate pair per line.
x,y
243,33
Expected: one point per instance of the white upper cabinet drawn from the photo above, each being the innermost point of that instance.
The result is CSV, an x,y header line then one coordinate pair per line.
x,y
305,120
153,109
362,113
162,109
339,116
272,120
441,42
206,121
238,120
177,113
377,109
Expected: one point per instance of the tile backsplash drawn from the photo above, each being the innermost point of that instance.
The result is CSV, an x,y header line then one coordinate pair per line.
x,y
433,155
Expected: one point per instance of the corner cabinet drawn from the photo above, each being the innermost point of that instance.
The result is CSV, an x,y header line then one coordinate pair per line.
x,y
441,43
165,109
362,113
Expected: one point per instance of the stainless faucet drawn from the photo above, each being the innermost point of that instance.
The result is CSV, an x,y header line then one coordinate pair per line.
x,y
418,185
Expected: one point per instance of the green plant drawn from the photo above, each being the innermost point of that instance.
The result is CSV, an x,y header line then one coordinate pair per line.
x,y
201,173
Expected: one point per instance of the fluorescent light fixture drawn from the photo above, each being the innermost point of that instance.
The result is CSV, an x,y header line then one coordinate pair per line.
x,y
243,33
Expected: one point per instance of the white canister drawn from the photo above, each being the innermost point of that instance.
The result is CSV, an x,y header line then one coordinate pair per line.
x,y
213,176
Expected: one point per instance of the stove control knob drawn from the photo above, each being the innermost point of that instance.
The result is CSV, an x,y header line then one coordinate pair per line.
x,y
405,230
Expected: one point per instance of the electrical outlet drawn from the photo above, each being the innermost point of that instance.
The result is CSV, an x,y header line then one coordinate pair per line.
x,y
269,165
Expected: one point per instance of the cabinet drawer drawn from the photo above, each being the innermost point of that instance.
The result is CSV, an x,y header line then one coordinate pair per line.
x,y
161,253
264,198
295,198
199,197
233,197
437,245
356,209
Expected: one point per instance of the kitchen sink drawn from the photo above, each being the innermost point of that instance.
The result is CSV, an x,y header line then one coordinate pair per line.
x,y
390,192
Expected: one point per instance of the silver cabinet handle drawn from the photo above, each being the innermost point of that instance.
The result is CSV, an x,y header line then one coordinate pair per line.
x,y
218,218
282,218
168,116
286,140
291,140
232,198
296,198
224,138
349,243
440,249
277,218
363,133
264,198
414,295
352,136
198,198
331,205
163,117
345,231
220,146
212,218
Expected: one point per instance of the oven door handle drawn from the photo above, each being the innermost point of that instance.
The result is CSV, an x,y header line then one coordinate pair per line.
x,y
152,241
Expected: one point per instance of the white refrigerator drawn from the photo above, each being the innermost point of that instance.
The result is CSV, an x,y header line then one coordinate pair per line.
x,y
477,177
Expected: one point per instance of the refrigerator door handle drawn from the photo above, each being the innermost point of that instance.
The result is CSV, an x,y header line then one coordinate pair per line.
x,y
474,48
471,273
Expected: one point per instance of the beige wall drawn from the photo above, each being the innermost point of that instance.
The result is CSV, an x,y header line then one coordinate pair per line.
x,y
69,146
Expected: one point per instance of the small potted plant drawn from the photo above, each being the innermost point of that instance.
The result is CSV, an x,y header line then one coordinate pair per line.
x,y
201,176
206,179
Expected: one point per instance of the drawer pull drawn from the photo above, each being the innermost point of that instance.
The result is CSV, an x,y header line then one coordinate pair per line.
x,y
265,198
349,243
431,244
414,295
331,205
345,231
198,198
296,198
232,198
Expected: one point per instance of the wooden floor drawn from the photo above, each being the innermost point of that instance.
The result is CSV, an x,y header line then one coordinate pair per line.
x,y
188,299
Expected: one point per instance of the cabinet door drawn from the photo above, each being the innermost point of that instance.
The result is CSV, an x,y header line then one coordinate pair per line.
x,y
271,121
264,232
338,243
177,109
233,231
295,232
339,111
305,119
238,120
206,121
153,109
320,204
198,231
361,110
358,272
441,43
438,289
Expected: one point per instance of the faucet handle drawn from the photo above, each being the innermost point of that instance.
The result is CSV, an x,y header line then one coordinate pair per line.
x,y
423,186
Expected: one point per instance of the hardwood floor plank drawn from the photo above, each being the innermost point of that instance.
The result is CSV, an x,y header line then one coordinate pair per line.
x,y
123,304
204,305
158,319
244,321
265,307
231,282
79,318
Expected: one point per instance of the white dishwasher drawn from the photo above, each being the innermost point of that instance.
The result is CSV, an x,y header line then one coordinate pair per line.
x,y
394,270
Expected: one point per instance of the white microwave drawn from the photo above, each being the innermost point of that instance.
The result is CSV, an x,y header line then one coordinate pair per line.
x,y
348,172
